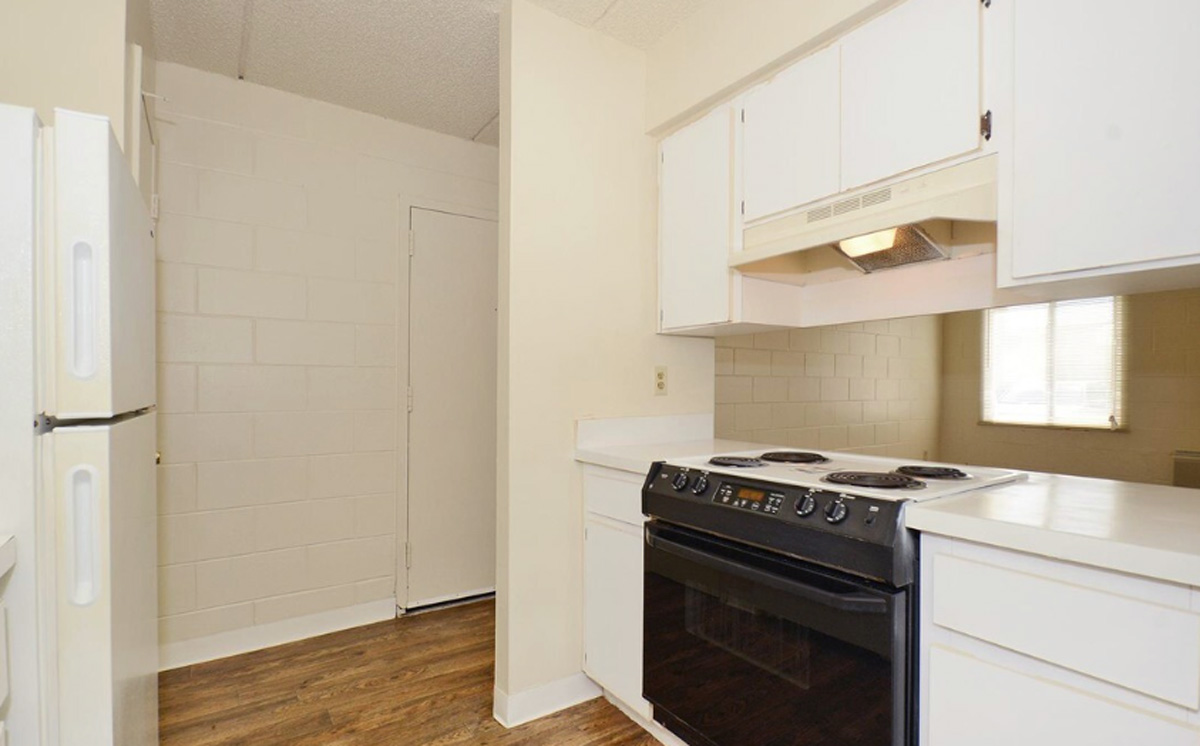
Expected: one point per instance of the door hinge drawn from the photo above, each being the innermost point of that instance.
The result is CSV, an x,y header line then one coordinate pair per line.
x,y
410,399
154,207
743,116
985,125
407,555
412,243
743,207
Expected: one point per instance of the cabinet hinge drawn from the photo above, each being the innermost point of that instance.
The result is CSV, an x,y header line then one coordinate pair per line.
x,y
985,125
407,555
412,243
410,399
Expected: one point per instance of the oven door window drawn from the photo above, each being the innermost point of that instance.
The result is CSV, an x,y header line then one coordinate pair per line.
x,y
745,647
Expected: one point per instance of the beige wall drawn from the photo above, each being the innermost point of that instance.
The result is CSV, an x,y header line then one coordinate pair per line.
x,y
65,53
728,44
281,325
578,305
871,387
1163,406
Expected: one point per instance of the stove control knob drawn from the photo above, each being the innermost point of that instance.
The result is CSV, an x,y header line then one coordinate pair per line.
x,y
701,485
680,482
836,511
806,505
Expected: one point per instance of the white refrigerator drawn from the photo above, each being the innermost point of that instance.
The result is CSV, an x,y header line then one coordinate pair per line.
x,y
77,394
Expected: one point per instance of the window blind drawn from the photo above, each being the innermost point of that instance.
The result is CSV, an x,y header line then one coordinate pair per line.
x,y
1060,363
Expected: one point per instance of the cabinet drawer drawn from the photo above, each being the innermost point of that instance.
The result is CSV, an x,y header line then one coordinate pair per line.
x,y
982,704
1131,642
613,494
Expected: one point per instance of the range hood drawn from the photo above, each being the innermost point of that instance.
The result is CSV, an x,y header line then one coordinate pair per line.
x,y
873,228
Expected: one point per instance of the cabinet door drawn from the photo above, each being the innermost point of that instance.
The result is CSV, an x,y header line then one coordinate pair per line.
x,y
910,89
695,222
613,608
790,137
1105,157
982,704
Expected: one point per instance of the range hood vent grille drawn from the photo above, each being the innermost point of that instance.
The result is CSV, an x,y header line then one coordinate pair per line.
x,y
912,245
870,199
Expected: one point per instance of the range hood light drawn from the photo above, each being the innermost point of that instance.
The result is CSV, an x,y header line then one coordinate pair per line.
x,y
868,244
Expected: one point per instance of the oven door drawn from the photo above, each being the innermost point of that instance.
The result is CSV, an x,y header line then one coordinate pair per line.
x,y
744,646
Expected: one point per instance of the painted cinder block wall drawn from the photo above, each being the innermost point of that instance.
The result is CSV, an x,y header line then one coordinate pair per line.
x,y
282,317
872,387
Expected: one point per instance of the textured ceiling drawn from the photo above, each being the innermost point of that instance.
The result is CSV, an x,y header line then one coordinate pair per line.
x,y
431,63
638,23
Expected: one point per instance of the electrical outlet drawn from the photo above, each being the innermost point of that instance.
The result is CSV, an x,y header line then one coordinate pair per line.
x,y
660,380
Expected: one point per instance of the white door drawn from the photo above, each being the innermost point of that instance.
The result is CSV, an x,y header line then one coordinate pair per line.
x,y
790,137
1105,164
612,608
911,83
100,277
453,287
99,484
695,222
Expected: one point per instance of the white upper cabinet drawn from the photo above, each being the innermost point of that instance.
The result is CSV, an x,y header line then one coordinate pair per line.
x,y
790,137
911,88
1104,167
696,222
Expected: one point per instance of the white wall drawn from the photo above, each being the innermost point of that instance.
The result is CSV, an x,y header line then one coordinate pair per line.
x,y
65,53
578,308
282,338
728,44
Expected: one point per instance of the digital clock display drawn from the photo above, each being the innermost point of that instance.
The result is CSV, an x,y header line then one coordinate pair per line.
x,y
745,493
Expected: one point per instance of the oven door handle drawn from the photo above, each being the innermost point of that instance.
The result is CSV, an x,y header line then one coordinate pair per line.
x,y
862,603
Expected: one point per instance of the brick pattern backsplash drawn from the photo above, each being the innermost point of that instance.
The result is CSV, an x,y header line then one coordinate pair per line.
x,y
1162,400
279,298
870,387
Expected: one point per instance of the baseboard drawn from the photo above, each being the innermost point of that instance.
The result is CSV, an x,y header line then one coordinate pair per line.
x,y
660,734
516,709
245,640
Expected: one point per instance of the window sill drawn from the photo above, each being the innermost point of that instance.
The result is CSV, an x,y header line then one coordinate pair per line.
x,y
1077,428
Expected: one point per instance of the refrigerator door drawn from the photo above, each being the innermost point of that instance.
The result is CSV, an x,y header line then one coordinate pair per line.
x,y
99,484
98,262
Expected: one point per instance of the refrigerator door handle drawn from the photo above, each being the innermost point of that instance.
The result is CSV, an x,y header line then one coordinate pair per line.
x,y
83,316
83,528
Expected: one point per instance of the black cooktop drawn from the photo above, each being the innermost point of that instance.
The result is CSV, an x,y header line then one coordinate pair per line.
x,y
933,472
794,457
876,479
737,462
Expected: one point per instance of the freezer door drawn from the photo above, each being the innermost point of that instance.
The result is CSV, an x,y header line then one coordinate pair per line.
x,y
100,486
98,259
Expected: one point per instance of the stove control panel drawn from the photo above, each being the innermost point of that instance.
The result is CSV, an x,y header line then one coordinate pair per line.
x,y
820,509
745,497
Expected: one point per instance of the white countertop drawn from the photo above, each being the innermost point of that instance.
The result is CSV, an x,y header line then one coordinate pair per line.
x,y
638,457
8,554
1142,529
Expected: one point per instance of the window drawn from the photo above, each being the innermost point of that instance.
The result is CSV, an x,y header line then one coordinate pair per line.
x,y
1055,364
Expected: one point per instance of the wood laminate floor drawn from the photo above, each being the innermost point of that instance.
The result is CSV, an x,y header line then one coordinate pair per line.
x,y
419,680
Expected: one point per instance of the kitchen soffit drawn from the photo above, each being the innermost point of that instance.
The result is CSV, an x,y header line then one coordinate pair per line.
x,y
430,63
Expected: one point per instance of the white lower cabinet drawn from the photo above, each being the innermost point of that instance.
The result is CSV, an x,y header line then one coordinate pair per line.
x,y
612,582
982,704
1018,648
